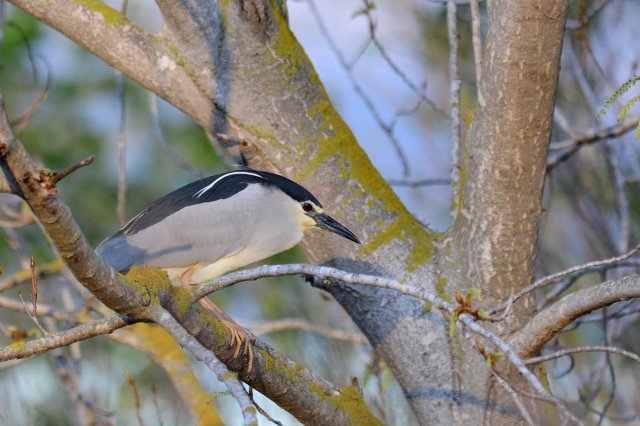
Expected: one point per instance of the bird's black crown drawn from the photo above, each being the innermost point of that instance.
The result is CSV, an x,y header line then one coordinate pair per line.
x,y
289,187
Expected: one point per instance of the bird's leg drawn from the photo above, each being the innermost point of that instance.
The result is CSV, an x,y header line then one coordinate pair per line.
x,y
237,336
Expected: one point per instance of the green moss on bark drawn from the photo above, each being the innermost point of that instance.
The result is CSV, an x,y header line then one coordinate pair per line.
x,y
110,15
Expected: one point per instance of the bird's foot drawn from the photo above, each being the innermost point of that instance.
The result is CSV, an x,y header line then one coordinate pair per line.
x,y
237,336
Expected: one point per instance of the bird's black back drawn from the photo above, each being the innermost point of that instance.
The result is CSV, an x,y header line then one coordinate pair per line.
x,y
195,193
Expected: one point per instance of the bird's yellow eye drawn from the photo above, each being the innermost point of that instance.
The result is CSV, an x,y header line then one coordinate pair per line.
x,y
307,207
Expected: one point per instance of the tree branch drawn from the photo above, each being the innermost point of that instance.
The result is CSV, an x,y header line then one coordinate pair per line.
x,y
43,309
163,318
571,147
99,327
583,349
548,322
265,327
554,278
454,97
140,55
325,273
305,395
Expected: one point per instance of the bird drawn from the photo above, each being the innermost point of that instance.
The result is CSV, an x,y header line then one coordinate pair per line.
x,y
215,225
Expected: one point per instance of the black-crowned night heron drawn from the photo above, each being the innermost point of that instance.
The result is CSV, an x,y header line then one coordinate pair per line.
x,y
218,224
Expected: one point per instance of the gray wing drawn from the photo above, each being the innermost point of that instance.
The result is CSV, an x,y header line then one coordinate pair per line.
x,y
118,253
204,232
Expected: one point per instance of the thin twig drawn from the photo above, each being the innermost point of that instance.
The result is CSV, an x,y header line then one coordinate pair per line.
x,y
583,349
136,398
122,139
33,314
552,279
68,375
420,182
24,275
622,201
476,38
34,287
262,410
595,8
546,324
23,121
454,96
554,401
514,394
569,281
358,89
155,403
265,327
222,152
58,176
612,374
420,91
156,125
570,147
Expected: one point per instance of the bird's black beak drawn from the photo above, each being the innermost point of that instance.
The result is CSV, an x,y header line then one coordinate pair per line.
x,y
330,224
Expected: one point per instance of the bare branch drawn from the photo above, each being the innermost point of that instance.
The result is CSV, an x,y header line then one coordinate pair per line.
x,y
136,398
547,323
57,177
420,182
512,392
82,332
454,97
550,400
43,309
28,181
388,130
33,314
24,275
583,349
162,141
24,120
554,278
266,327
570,147
622,201
186,340
593,11
122,147
420,91
262,411
325,272
140,55
477,45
